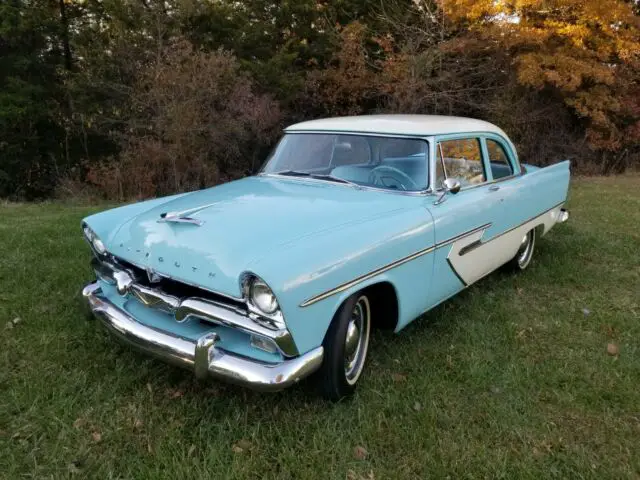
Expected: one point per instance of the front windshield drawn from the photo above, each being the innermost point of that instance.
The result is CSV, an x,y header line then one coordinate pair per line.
x,y
381,162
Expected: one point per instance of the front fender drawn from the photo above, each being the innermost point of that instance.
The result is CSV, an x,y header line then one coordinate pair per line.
x,y
350,259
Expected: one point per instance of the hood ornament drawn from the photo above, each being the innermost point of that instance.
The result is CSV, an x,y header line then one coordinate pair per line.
x,y
175,217
184,216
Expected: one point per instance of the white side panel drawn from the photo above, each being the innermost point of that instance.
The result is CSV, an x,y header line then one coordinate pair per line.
x,y
471,258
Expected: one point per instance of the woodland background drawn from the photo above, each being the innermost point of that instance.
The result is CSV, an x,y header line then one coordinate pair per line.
x,y
121,99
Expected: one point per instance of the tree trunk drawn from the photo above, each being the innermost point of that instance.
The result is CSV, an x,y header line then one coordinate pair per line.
x,y
65,35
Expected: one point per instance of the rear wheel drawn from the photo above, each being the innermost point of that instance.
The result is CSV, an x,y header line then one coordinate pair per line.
x,y
345,348
525,252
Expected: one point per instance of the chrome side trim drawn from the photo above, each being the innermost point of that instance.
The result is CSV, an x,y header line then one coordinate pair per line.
x,y
462,235
462,280
355,281
347,285
378,271
517,226
201,356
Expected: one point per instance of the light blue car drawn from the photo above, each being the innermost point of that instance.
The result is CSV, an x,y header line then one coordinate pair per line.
x,y
352,224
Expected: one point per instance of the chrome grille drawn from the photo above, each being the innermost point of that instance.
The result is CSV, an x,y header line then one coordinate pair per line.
x,y
176,288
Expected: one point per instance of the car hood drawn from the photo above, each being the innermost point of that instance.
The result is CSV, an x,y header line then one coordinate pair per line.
x,y
240,223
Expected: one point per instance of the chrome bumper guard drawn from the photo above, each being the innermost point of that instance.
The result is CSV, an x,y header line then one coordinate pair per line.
x,y
201,356
563,216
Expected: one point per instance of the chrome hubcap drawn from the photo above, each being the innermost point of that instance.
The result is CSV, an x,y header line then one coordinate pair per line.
x,y
356,340
526,249
353,336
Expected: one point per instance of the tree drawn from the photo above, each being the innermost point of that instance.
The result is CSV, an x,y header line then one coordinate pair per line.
x,y
586,52
195,121
30,147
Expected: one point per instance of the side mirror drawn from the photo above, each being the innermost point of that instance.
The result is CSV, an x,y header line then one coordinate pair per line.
x,y
450,185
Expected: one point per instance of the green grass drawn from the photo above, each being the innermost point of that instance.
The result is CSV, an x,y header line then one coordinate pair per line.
x,y
510,379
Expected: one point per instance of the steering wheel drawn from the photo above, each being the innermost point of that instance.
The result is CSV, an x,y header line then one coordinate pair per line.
x,y
379,174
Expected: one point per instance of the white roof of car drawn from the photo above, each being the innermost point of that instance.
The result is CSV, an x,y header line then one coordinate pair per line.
x,y
415,125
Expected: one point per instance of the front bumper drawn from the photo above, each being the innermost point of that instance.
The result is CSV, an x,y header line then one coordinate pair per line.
x,y
201,356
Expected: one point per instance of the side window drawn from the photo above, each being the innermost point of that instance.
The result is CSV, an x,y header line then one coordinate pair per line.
x,y
498,159
462,160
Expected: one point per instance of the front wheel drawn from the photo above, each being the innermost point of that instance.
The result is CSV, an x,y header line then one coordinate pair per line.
x,y
525,252
345,348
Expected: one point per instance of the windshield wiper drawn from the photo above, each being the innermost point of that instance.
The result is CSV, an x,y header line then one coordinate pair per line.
x,y
293,173
317,176
331,178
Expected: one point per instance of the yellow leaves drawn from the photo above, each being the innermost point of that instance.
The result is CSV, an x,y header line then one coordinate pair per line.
x,y
628,50
562,70
575,33
470,9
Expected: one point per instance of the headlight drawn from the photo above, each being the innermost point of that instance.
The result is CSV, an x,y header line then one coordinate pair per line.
x,y
261,296
95,241
99,246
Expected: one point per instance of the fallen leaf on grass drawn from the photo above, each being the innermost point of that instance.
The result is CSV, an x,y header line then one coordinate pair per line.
x,y
360,453
137,424
241,446
352,475
609,330
74,467
175,393
613,350
97,437
398,377
245,444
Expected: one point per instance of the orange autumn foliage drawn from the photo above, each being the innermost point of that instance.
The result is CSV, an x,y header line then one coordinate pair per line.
x,y
587,51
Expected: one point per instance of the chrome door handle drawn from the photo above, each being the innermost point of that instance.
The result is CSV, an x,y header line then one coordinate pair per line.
x,y
494,188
